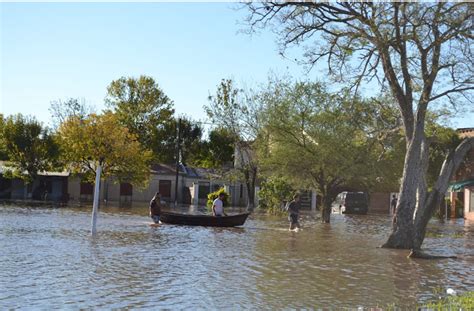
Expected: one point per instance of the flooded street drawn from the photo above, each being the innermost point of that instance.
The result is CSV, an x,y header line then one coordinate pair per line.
x,y
48,260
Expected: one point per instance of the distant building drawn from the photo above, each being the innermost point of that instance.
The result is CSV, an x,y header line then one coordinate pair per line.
x,y
48,186
194,184
379,202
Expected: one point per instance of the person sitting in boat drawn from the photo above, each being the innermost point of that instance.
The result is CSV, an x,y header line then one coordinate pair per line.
x,y
218,206
155,208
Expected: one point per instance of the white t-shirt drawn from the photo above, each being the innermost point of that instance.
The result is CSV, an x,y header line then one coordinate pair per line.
x,y
218,207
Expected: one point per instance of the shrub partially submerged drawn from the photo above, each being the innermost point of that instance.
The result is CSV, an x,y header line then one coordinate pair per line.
x,y
214,195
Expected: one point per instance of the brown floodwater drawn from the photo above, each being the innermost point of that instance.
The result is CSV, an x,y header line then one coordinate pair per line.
x,y
49,260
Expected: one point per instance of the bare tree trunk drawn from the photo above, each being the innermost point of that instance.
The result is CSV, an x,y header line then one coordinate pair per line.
x,y
326,208
450,166
422,190
402,225
326,214
409,226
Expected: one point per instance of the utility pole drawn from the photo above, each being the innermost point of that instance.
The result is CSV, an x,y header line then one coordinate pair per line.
x,y
95,205
178,142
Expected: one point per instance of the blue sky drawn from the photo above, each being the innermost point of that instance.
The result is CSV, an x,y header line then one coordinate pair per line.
x,y
52,51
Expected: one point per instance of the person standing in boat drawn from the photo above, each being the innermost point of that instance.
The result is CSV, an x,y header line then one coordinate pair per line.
x,y
294,211
218,206
155,208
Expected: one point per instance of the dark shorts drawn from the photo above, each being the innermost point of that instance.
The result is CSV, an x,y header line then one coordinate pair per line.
x,y
293,218
156,218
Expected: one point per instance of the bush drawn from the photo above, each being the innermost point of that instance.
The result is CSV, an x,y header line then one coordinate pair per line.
x,y
214,195
273,194
464,301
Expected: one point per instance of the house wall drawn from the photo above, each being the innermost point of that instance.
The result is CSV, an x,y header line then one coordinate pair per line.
x,y
18,190
73,188
195,184
238,193
5,187
49,188
379,203
469,203
465,172
233,189
110,191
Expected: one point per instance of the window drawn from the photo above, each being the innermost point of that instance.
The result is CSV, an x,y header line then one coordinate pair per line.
x,y
126,189
164,187
87,188
203,190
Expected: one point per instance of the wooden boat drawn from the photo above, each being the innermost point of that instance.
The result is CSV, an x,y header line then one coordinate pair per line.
x,y
203,220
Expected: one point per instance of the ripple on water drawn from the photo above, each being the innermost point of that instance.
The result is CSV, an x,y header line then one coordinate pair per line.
x,y
49,260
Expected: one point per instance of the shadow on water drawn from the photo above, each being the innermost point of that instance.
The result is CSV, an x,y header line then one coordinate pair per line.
x,y
130,264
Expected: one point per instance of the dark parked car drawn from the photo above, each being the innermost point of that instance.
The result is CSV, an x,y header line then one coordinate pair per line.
x,y
351,203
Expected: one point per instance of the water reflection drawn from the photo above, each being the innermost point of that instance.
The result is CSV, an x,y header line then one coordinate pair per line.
x,y
49,260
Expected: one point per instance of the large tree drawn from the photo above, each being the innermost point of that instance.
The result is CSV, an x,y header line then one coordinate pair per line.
x,y
190,141
143,107
319,140
29,146
421,51
103,140
218,150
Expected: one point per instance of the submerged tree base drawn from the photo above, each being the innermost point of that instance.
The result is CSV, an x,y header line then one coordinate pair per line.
x,y
326,215
399,240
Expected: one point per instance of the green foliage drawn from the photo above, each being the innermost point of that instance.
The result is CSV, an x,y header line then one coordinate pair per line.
x,y
29,147
464,301
226,109
146,111
237,112
273,193
101,139
317,139
190,143
217,151
214,195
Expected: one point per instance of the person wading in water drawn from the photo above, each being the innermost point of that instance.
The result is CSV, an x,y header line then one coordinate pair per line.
x,y
155,208
293,212
218,206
